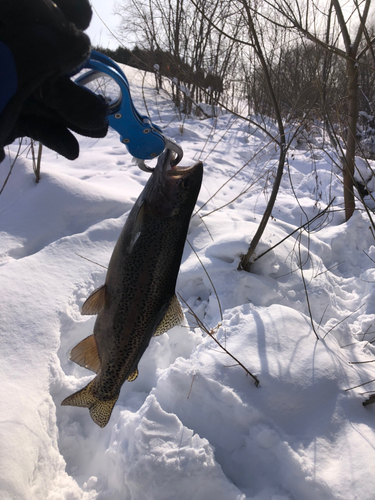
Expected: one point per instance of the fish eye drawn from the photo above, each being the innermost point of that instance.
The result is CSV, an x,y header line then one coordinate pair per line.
x,y
185,183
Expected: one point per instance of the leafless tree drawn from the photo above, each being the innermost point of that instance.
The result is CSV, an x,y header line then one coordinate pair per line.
x,y
287,57
313,20
196,57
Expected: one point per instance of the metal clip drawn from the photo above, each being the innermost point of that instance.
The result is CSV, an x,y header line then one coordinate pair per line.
x,y
143,139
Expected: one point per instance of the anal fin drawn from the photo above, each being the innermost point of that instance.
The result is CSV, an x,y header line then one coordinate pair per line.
x,y
173,317
86,354
133,376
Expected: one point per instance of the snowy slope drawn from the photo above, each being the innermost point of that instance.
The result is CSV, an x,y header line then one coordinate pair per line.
x,y
193,426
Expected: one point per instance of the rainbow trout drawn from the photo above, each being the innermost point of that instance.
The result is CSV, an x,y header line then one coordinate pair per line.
x,y
137,300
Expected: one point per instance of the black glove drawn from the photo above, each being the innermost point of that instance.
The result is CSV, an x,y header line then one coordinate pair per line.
x,y
41,43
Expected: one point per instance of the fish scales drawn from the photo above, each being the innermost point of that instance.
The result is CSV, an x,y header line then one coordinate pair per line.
x,y
138,299
141,307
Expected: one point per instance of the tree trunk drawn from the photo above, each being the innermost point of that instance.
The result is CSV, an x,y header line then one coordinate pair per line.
x,y
246,259
349,165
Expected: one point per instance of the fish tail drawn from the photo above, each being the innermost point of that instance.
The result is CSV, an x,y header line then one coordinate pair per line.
x,y
100,410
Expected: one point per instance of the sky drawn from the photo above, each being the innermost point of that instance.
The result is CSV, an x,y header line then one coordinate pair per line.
x,y
104,20
97,31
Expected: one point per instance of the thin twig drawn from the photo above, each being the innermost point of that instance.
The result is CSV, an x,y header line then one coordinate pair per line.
x,y
321,319
361,362
205,225
92,261
11,166
304,286
366,333
211,334
329,269
368,256
360,385
208,276
298,229
339,323
191,386
232,177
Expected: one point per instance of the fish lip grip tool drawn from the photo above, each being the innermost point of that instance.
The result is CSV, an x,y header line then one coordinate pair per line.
x,y
143,139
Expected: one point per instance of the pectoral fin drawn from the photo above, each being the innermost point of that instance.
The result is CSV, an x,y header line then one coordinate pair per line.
x,y
86,354
95,302
100,411
140,218
137,229
173,317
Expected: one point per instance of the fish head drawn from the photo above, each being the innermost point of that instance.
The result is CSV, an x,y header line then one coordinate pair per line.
x,y
173,190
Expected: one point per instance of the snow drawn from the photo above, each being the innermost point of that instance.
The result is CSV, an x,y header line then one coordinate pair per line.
x,y
193,426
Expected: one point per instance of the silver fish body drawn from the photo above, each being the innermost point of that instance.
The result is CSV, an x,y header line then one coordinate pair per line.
x,y
138,298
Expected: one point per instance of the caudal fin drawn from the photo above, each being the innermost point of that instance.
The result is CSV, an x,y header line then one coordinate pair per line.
x,y
100,411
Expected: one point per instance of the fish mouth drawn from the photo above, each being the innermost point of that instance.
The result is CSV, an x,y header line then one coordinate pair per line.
x,y
169,146
173,146
171,168
169,160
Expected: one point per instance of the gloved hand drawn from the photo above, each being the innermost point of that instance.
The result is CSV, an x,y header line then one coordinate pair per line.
x,y
41,42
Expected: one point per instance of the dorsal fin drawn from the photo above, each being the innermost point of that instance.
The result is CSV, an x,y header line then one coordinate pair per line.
x,y
95,302
173,317
86,354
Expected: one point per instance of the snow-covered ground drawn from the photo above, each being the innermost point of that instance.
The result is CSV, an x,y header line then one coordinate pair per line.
x,y
193,426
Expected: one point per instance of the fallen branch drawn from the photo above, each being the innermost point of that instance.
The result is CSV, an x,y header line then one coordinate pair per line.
x,y
211,333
